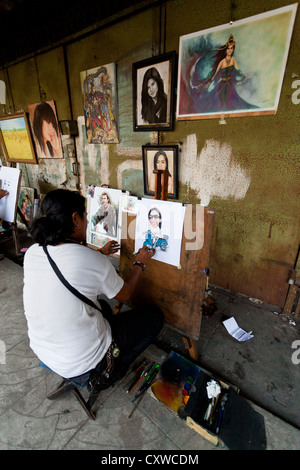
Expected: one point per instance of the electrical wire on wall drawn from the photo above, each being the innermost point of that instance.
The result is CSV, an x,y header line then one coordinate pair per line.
x,y
162,41
42,93
75,165
233,6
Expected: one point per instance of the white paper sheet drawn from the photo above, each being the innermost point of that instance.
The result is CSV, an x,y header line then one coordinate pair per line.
x,y
9,181
169,228
234,330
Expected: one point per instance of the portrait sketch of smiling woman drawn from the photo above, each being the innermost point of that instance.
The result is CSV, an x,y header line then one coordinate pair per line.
x,y
152,90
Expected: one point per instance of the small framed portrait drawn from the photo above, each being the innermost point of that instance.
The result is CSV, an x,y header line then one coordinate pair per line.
x,y
15,137
158,157
153,82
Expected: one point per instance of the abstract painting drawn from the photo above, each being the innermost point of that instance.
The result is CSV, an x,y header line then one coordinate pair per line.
x,y
100,104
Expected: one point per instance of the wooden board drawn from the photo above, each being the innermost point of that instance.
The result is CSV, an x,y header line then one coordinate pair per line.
x,y
178,292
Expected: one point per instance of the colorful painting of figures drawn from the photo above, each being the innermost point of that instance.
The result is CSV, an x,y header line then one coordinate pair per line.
x,y
235,69
100,104
16,139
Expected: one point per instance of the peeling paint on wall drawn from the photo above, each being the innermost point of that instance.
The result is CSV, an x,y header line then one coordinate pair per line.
x,y
128,165
213,172
95,157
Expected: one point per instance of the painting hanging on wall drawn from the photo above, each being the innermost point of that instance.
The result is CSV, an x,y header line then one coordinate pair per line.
x,y
100,104
16,138
25,204
153,82
234,70
45,129
160,157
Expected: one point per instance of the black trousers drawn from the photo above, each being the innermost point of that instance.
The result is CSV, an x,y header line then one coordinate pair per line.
x,y
132,330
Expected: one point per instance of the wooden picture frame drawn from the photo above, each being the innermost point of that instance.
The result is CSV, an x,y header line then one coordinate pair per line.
x,y
16,138
218,76
160,157
150,113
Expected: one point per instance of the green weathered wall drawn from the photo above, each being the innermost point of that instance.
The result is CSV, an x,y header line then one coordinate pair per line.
x,y
252,179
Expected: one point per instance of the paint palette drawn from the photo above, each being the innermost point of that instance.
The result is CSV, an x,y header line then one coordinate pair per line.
x,y
175,381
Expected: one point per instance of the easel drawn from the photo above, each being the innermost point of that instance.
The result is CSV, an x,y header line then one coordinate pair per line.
x,y
161,184
178,291
161,192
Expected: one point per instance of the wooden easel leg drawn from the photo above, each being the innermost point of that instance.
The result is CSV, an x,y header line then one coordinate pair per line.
x,y
157,184
165,178
14,231
189,344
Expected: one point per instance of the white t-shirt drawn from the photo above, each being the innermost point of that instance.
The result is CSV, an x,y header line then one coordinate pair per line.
x,y
69,336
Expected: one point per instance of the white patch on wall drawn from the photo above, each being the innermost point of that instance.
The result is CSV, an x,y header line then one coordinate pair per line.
x,y
213,172
92,149
104,166
128,165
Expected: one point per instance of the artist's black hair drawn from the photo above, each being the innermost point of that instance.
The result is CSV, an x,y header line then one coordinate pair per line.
x,y
55,224
161,152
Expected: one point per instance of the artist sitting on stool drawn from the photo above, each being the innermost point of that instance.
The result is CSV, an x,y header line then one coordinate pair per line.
x,y
70,337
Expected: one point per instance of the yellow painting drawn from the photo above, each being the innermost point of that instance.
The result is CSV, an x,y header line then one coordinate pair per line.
x,y
16,139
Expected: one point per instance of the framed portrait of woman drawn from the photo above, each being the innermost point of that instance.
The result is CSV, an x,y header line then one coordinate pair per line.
x,y
157,157
153,82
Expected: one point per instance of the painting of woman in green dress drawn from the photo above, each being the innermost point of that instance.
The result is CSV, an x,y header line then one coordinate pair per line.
x,y
234,70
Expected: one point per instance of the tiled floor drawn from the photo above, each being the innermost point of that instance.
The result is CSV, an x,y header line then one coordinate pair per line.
x,y
30,421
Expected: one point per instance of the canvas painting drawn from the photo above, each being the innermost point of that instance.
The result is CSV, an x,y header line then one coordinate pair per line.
x,y
235,70
159,224
25,204
100,104
103,207
45,129
16,138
